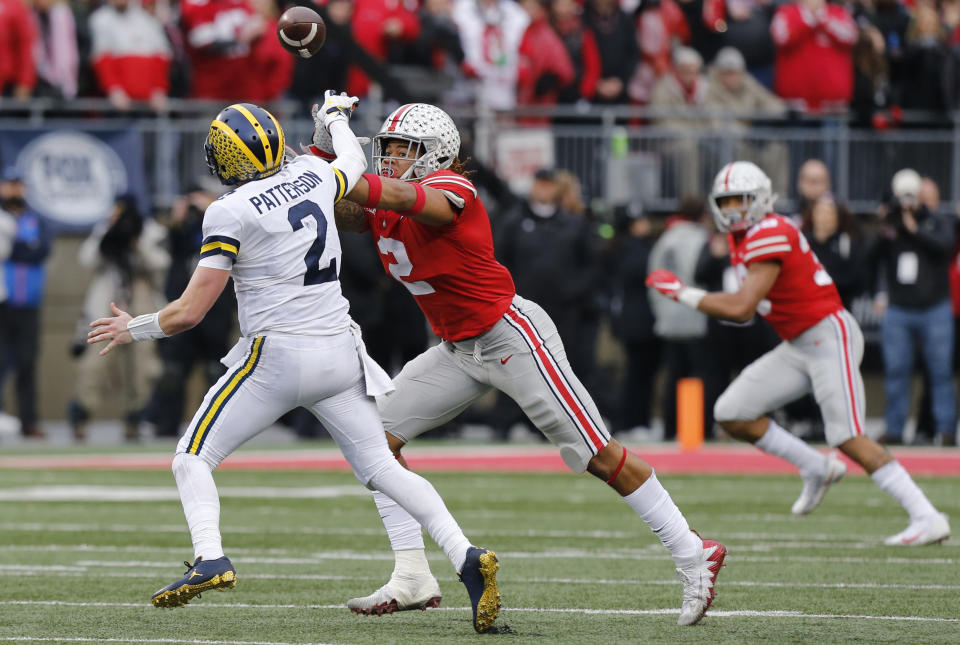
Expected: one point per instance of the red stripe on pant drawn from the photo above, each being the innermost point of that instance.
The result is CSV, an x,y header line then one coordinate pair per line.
x,y
558,383
849,374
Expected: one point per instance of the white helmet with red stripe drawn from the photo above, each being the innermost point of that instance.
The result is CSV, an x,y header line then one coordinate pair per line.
x,y
741,179
433,136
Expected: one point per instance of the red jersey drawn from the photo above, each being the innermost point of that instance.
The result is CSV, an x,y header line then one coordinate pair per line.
x,y
803,293
211,29
450,270
814,60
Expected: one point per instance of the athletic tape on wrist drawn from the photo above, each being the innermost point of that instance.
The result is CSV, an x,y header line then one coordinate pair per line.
x,y
146,327
690,296
376,189
418,203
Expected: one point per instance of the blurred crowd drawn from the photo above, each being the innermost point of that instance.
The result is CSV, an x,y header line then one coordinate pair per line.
x,y
878,58
897,269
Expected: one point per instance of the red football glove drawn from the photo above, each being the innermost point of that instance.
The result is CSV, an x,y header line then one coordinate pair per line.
x,y
666,282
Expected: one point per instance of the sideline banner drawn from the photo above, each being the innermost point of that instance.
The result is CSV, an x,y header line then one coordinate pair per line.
x,y
74,176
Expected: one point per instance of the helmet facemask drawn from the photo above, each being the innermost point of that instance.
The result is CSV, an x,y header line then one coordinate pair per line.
x,y
730,219
212,165
423,151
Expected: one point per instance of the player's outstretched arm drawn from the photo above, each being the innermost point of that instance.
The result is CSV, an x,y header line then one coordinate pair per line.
x,y
182,314
334,118
738,307
426,205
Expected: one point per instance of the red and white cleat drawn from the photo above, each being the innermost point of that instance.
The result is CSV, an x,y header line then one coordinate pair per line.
x,y
698,579
399,594
930,530
814,488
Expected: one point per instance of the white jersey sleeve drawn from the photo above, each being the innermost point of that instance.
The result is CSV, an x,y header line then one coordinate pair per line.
x,y
221,237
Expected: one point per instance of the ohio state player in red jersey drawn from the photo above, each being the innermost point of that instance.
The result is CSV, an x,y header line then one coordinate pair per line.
x,y
433,234
782,279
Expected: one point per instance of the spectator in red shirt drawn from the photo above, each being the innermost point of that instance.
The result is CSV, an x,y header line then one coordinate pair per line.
x,y
544,66
814,61
582,48
219,35
269,62
130,55
377,26
18,74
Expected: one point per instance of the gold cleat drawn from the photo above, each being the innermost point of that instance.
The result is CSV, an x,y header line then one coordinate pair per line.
x,y
201,576
479,576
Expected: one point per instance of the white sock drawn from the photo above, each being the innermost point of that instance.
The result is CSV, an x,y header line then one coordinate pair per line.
x,y
652,502
420,499
201,505
894,480
404,531
777,441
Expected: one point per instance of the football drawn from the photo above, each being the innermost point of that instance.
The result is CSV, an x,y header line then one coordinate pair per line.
x,y
301,31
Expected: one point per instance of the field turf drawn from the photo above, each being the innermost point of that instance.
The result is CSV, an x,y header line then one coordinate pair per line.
x,y
81,551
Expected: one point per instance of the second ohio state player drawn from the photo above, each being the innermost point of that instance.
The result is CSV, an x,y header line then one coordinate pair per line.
x,y
433,234
782,279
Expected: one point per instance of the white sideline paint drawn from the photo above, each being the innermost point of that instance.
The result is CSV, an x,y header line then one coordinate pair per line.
x,y
79,572
84,493
714,613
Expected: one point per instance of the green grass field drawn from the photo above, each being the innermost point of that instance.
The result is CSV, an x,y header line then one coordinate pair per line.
x,y
576,565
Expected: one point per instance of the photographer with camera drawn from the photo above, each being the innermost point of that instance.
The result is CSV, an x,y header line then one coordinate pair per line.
x,y
128,260
913,253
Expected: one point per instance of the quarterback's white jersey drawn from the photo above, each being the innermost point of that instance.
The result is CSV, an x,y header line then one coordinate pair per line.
x,y
278,238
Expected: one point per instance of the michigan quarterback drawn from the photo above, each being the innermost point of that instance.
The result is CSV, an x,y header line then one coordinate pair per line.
x,y
275,234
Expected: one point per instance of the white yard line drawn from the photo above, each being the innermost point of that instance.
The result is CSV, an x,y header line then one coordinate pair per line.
x,y
752,540
80,572
579,554
77,639
654,553
553,610
93,493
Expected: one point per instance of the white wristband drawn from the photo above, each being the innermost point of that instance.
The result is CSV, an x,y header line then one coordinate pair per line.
x,y
146,327
690,296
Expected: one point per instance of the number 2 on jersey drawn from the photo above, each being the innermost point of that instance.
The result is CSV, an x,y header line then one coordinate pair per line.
x,y
401,267
314,274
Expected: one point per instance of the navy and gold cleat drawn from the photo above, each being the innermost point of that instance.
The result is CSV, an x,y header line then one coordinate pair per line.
x,y
200,576
479,576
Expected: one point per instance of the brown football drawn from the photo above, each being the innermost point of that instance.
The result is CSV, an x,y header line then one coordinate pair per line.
x,y
301,31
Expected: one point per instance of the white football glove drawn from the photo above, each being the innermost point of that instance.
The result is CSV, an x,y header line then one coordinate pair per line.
x,y
322,141
336,107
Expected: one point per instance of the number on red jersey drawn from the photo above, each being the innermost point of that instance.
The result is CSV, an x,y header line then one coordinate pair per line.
x,y
803,293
